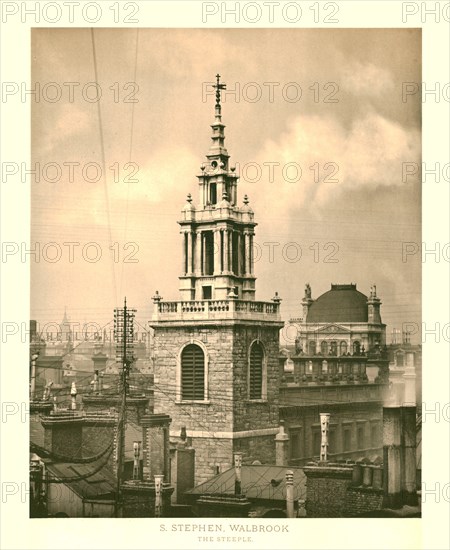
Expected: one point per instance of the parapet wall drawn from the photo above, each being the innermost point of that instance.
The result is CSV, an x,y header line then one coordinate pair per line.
x,y
344,489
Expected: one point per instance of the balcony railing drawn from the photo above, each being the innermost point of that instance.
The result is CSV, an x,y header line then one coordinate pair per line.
x,y
215,309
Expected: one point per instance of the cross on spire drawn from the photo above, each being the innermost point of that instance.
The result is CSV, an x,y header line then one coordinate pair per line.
x,y
218,86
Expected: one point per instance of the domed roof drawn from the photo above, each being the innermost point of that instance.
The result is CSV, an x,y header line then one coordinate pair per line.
x,y
341,304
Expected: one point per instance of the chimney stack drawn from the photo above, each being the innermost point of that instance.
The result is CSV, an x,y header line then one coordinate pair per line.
x,y
290,494
158,489
324,427
137,460
237,471
73,395
281,446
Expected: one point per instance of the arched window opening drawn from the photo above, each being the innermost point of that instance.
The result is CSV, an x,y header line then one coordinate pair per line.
x,y
192,373
256,371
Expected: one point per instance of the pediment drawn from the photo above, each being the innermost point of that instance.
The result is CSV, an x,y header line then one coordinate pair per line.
x,y
333,328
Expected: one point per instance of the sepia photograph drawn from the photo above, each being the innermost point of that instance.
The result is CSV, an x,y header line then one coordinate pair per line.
x,y
224,261
225,308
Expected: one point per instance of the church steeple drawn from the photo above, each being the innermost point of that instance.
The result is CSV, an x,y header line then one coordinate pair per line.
x,y
218,151
217,177
217,235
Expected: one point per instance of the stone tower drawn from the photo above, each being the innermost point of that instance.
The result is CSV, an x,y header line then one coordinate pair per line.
x,y
216,350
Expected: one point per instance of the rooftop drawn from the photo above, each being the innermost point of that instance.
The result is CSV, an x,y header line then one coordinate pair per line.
x,y
257,482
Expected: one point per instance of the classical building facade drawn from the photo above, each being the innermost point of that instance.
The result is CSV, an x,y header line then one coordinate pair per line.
x,y
340,366
342,321
216,349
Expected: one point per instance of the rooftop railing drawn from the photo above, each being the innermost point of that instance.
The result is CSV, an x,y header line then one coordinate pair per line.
x,y
216,309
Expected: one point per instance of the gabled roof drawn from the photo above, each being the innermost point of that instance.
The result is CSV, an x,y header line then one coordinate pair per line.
x,y
257,482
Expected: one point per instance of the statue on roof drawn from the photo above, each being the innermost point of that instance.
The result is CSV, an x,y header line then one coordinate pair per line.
x,y
308,291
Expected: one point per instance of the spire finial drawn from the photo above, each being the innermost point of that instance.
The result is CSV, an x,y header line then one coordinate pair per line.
x,y
189,198
246,201
218,86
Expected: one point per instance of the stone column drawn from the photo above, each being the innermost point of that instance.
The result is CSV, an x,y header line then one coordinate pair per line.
x,y
198,253
251,257
231,249
225,251
239,253
183,252
189,252
246,253
217,252
203,253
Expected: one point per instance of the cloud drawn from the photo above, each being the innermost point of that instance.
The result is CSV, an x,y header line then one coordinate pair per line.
x,y
71,121
334,159
366,79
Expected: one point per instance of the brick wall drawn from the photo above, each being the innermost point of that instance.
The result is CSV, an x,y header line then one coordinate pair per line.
x,y
65,439
326,489
96,438
139,500
331,491
360,500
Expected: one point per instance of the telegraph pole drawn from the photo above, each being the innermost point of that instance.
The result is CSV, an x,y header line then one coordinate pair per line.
x,y
124,336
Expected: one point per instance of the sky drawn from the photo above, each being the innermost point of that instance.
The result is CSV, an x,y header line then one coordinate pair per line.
x,y
335,104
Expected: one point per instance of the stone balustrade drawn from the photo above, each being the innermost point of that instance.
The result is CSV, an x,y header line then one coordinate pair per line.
x,y
215,310
217,212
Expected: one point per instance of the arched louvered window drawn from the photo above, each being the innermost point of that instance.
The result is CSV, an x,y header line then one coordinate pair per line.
x,y
256,371
192,373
